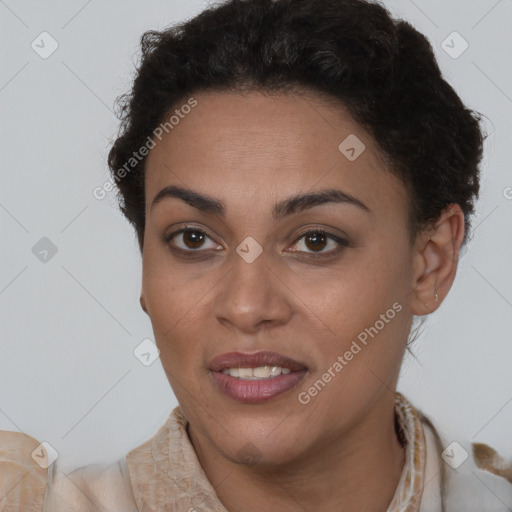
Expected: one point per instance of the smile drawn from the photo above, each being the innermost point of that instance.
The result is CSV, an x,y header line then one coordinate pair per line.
x,y
255,378
261,372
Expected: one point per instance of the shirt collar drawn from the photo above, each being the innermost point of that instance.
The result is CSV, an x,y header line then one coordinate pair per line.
x,y
166,474
408,494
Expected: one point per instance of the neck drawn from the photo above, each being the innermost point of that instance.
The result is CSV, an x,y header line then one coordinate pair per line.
x,y
358,470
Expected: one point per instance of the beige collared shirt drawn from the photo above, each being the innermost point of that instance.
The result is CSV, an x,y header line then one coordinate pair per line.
x,y
164,475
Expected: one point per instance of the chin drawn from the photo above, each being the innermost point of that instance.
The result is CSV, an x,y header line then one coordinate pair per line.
x,y
259,455
258,445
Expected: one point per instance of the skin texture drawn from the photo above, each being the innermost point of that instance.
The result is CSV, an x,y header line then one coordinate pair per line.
x,y
339,451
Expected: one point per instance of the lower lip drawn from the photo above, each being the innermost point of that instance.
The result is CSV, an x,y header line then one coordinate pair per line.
x,y
257,391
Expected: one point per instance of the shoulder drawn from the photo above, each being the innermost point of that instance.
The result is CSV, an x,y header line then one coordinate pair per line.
x,y
28,483
90,488
23,471
471,476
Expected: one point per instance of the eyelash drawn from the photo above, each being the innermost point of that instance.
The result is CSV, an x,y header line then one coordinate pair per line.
x,y
312,255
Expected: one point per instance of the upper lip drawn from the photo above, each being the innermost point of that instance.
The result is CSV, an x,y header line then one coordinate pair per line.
x,y
245,360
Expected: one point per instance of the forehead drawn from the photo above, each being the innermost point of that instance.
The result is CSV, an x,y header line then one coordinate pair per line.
x,y
255,147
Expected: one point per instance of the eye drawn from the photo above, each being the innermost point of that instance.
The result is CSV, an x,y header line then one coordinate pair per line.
x,y
317,240
189,240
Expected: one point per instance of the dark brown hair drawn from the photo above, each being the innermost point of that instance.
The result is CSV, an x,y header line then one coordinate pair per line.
x,y
381,70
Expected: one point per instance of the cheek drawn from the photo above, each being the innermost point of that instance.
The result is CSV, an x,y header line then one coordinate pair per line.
x,y
365,309
178,299
353,296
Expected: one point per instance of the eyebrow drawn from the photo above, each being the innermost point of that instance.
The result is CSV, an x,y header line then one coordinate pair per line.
x,y
289,206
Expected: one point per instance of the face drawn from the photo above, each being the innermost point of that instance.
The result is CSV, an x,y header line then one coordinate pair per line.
x,y
323,282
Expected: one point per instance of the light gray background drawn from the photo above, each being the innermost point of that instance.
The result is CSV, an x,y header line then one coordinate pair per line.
x,y
69,326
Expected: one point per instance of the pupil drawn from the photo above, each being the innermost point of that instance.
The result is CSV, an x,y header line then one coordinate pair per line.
x,y
318,240
195,238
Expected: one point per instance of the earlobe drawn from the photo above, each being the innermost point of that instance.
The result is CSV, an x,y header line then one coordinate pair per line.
x,y
143,304
436,261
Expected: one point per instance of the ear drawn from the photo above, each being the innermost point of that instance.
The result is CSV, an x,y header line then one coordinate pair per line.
x,y
143,303
435,262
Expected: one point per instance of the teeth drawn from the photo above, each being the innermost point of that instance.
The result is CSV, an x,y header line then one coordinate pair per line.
x,y
275,370
243,373
261,372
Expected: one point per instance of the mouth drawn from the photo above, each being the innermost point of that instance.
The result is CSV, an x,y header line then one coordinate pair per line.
x,y
255,378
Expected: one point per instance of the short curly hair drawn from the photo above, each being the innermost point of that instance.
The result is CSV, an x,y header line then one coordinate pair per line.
x,y
382,70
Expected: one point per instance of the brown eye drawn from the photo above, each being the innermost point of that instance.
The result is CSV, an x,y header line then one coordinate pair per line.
x,y
193,239
315,241
189,240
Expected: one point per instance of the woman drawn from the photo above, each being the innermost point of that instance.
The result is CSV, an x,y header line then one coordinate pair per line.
x,y
301,180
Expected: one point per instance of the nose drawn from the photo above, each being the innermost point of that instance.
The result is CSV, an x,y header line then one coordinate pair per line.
x,y
252,296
